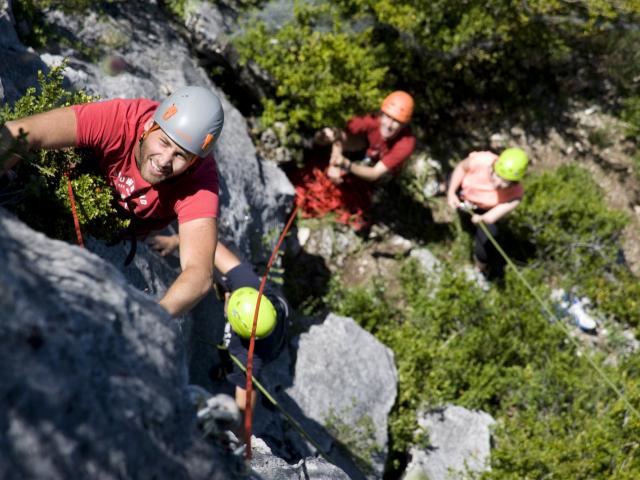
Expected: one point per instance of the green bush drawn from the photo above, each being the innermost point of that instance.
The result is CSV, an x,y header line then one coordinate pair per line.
x,y
575,238
42,177
517,55
368,306
323,72
563,215
497,352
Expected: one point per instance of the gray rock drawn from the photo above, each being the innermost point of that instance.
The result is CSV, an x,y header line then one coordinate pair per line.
x,y
210,29
431,266
18,65
265,466
339,384
93,371
460,443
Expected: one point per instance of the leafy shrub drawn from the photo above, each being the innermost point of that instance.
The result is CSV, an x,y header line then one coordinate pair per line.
x,y
42,178
575,236
497,352
323,72
367,306
562,214
631,114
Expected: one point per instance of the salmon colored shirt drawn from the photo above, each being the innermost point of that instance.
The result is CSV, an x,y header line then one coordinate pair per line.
x,y
477,187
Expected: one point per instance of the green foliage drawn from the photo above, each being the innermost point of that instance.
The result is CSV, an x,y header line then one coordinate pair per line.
x,y
177,7
42,177
497,352
595,437
615,291
358,439
367,306
631,114
322,74
337,59
563,216
482,47
575,235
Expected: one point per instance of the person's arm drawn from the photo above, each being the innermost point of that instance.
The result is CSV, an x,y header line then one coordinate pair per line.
x,y
496,213
454,184
225,259
198,240
53,129
365,172
164,244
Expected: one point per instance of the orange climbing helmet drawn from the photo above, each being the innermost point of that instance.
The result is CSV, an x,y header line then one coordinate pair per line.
x,y
399,106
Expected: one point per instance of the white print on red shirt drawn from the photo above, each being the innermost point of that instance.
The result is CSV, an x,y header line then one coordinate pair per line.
x,y
125,186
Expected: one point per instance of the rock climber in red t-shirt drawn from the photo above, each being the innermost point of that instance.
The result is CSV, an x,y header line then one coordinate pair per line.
x,y
345,187
158,160
387,138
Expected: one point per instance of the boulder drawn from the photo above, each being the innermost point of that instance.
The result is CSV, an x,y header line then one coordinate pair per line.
x,y
18,64
93,371
339,383
459,444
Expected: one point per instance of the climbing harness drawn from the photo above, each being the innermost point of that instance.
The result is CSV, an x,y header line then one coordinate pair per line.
x,y
552,316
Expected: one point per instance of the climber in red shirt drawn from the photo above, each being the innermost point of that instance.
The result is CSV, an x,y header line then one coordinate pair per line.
x,y
157,158
386,137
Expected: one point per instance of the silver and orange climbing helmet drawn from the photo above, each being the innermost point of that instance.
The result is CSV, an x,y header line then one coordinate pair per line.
x,y
192,117
241,309
511,164
398,105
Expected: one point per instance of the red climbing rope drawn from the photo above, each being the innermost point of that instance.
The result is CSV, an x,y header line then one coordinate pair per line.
x,y
252,341
76,221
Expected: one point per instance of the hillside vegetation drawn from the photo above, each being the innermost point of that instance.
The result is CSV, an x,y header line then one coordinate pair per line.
x,y
473,66
490,64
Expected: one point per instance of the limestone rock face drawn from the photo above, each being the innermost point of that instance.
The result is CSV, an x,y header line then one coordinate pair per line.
x,y
266,466
92,371
18,64
339,383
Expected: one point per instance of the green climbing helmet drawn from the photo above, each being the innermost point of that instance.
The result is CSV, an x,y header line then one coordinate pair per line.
x,y
192,117
240,311
511,164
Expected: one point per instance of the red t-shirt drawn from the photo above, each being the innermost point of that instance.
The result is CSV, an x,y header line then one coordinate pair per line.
x,y
112,129
392,152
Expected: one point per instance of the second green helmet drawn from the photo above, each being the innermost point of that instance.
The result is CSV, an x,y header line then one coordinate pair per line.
x,y
240,312
511,164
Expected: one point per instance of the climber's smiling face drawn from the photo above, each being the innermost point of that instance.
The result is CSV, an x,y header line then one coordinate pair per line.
x,y
160,158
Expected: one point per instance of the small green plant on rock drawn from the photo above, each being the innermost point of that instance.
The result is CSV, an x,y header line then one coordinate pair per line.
x,y
42,177
358,439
